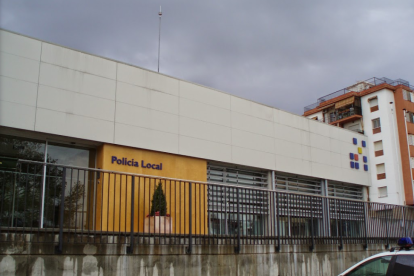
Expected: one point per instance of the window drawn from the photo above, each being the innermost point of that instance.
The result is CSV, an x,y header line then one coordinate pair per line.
x,y
222,204
298,184
381,171
409,116
344,190
376,126
411,139
376,123
373,103
379,151
29,199
383,191
404,265
406,95
377,266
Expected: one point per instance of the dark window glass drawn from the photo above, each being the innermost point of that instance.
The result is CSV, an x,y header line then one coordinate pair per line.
x,y
79,184
404,265
22,148
70,156
375,267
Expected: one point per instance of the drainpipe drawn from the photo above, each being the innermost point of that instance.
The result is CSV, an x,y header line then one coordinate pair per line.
x,y
409,153
399,165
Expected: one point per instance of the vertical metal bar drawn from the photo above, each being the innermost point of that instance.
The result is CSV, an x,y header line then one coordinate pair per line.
x,y
76,204
312,237
237,248
190,225
341,245
43,186
277,222
139,199
405,221
130,248
70,202
102,204
175,210
365,205
83,198
58,250
107,202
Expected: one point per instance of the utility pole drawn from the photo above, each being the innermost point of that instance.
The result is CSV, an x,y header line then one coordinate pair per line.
x,y
159,40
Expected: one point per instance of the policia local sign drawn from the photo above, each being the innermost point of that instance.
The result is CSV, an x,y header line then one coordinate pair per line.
x,y
124,161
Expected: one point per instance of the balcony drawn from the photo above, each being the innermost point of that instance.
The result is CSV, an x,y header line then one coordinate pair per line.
x,y
367,84
344,115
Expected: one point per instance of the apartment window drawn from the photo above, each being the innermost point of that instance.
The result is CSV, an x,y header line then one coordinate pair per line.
x,y
409,116
379,150
381,171
373,103
382,191
411,140
376,126
407,95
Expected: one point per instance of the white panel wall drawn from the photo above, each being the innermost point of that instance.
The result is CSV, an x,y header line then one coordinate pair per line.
x,y
391,157
19,74
66,92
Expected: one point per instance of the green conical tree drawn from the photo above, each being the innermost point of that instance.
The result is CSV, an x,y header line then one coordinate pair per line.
x,y
158,202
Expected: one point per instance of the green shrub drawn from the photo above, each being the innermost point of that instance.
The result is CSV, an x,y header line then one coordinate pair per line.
x,y
158,202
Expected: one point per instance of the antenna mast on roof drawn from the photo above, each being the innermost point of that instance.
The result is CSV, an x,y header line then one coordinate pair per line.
x,y
159,40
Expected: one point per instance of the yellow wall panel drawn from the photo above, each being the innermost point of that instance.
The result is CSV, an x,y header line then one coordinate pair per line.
x,y
113,196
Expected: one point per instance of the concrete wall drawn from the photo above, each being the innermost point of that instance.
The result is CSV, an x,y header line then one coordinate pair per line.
x,y
52,89
105,260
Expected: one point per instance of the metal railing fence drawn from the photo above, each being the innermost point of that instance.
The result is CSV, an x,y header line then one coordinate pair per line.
x,y
370,82
81,205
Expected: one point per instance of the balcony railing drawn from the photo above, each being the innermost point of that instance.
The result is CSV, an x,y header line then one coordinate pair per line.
x,y
372,81
340,115
58,204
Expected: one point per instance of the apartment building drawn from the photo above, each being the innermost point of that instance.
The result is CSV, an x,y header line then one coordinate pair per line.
x,y
382,109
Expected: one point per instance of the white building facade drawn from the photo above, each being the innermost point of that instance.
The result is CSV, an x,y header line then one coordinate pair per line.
x,y
67,99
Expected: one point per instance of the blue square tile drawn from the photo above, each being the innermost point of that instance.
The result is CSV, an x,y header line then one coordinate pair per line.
x,y
357,165
355,141
352,164
351,156
365,167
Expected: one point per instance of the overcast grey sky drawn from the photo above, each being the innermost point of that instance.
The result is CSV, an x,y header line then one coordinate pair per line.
x,y
283,53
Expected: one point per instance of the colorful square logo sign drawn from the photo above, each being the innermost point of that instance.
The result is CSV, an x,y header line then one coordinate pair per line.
x,y
354,156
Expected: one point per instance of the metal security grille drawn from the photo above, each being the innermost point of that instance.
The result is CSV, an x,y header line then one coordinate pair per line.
x,y
338,189
234,175
222,201
298,184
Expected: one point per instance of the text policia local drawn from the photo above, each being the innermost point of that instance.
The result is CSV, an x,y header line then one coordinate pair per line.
x,y
124,161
